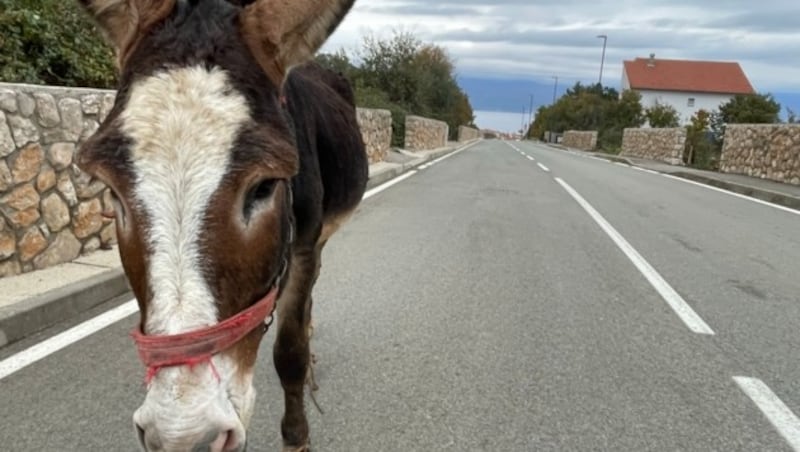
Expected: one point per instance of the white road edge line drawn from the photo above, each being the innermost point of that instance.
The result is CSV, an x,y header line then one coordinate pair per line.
x,y
645,170
731,193
382,187
530,158
457,151
708,187
544,168
47,347
675,301
781,417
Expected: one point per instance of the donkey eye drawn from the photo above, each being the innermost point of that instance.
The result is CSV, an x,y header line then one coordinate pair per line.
x,y
264,189
260,193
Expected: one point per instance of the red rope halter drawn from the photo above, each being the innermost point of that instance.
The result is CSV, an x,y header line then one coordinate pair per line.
x,y
199,346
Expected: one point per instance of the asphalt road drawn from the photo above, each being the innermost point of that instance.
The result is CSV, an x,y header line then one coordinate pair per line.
x,y
477,306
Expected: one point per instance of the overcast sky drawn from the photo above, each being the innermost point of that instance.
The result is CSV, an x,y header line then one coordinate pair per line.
x,y
538,38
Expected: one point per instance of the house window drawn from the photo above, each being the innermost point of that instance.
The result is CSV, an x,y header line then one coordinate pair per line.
x,y
691,102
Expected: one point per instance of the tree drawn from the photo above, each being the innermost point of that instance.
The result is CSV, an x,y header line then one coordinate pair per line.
x,y
404,75
750,109
591,107
791,116
662,116
388,64
717,126
702,150
439,93
337,62
629,111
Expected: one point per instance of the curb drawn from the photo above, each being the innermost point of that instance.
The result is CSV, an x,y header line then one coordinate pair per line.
x,y
599,155
385,176
613,158
42,311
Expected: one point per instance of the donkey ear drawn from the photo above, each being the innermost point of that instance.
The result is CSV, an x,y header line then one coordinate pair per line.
x,y
122,21
285,33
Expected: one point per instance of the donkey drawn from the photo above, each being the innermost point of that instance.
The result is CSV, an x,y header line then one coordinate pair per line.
x,y
232,160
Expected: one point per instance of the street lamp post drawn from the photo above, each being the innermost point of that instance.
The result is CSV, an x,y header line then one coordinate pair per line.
x,y
555,87
530,111
603,59
522,125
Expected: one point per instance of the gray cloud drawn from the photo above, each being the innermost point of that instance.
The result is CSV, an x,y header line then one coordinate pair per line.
x,y
540,38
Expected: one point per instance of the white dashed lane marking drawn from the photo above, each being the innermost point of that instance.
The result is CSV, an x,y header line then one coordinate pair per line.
x,y
670,295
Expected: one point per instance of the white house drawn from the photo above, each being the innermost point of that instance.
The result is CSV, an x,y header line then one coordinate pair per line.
x,y
688,86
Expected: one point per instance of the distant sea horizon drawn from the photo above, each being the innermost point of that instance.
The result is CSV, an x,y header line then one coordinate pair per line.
x,y
501,121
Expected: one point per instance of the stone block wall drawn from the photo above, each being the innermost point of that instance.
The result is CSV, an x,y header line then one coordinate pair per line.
x,y
580,139
50,212
468,134
768,151
376,129
665,145
425,133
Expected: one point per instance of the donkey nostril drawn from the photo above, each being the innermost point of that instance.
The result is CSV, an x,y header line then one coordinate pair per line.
x,y
148,442
140,434
220,442
225,442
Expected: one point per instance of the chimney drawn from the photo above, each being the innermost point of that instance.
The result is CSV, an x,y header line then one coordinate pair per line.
x,y
652,61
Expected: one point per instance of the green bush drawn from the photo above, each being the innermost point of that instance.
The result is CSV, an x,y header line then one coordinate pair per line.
x,y
662,116
405,76
52,42
591,107
702,150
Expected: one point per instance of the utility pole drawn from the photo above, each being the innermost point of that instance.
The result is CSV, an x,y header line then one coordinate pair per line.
x,y
603,59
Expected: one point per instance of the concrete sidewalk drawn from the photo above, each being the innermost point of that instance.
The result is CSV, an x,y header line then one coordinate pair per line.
x,y
775,192
33,301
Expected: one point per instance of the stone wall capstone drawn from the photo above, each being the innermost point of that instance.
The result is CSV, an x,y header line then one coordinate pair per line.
x,y
768,151
665,145
468,134
425,133
580,139
50,211
376,129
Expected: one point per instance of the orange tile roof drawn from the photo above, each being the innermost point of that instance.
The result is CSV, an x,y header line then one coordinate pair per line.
x,y
691,76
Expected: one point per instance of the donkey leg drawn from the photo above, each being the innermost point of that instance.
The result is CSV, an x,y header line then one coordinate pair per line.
x,y
291,352
310,380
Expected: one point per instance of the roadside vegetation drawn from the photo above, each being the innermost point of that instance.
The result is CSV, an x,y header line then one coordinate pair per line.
x,y
592,107
52,42
405,76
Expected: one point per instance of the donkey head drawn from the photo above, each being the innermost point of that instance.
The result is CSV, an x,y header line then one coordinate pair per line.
x,y
199,152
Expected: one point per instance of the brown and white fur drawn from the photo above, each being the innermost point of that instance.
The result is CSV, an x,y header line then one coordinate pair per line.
x,y
227,154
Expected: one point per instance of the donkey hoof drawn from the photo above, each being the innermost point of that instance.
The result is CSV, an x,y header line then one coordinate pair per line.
x,y
303,448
